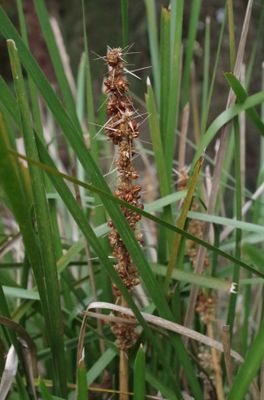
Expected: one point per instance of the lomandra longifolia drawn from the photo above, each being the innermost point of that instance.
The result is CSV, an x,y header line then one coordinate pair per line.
x,y
122,128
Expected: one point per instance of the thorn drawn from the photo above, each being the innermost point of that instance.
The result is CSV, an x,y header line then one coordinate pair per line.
x,y
131,73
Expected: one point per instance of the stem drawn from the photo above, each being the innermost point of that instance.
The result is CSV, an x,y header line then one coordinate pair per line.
x,y
122,128
123,369
216,366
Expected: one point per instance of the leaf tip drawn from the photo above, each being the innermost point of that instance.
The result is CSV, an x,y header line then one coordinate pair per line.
x,y
11,43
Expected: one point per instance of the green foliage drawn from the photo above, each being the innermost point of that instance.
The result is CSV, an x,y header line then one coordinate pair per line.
x,y
55,257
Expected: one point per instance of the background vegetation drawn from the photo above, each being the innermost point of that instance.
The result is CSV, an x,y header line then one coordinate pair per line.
x,y
198,91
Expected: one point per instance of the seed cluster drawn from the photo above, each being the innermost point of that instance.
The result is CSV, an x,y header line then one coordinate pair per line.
x,y
122,128
205,307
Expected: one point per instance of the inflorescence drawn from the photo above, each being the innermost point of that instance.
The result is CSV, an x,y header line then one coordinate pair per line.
x,y
122,128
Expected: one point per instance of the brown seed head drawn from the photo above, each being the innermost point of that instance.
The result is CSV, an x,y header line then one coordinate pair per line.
x,y
114,57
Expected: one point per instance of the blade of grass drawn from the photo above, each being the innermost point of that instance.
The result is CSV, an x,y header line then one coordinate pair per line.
x,y
193,23
33,91
139,375
53,172
236,269
80,99
255,45
206,69
242,95
89,91
194,104
216,125
254,254
100,365
227,165
231,32
224,118
157,204
55,325
249,368
175,84
70,254
80,106
183,138
82,387
13,186
91,237
73,136
160,203
247,226
59,69
190,277
20,293
181,221
8,102
153,43
44,391
158,385
99,215
247,303
81,221
164,182
156,138
210,93
258,204
164,71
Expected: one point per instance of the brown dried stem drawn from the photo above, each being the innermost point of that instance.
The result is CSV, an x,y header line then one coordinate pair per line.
x,y
216,366
227,356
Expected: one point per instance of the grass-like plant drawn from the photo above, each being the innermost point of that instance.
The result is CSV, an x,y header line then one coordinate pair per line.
x,y
101,297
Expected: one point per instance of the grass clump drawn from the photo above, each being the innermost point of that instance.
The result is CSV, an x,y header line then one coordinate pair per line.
x,y
171,305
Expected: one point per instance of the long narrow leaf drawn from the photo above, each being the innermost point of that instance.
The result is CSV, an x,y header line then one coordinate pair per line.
x,y
164,71
53,171
242,95
224,118
154,47
194,19
248,370
139,375
182,220
82,387
55,57
80,219
73,135
175,84
55,325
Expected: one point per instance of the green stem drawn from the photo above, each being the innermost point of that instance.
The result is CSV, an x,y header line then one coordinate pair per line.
x,y
238,235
